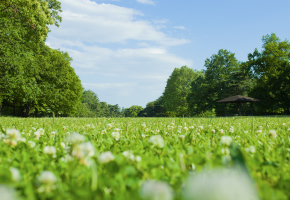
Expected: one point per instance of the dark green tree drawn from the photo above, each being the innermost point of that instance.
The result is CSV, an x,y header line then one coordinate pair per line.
x,y
222,78
270,69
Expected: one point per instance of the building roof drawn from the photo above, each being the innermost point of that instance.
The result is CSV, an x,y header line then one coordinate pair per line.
x,y
237,99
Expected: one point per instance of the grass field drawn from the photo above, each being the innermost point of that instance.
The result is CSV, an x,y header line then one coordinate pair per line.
x,y
145,158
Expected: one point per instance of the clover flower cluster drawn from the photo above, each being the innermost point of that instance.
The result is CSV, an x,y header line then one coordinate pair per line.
x,y
13,137
157,141
80,149
47,182
106,157
130,156
156,190
220,185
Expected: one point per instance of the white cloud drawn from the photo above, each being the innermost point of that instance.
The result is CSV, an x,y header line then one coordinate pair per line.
x,y
149,2
180,27
99,38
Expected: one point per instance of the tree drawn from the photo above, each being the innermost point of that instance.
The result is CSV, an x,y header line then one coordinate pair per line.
x,y
24,26
177,89
133,111
92,100
222,78
154,109
270,70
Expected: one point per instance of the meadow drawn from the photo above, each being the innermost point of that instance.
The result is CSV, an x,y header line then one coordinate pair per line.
x,y
145,158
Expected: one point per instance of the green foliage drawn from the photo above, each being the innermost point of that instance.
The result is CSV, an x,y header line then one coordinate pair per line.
x,y
177,89
270,70
222,78
34,79
154,109
133,111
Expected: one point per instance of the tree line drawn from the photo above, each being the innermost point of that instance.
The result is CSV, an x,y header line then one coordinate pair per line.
x,y
264,76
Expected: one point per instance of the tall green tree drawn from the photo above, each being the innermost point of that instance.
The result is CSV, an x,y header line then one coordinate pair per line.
x,y
270,70
222,78
177,89
24,26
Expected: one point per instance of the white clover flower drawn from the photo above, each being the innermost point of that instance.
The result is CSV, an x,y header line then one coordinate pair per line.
x,y
212,130
88,148
251,149
172,124
33,128
109,126
37,135
116,135
52,134
83,150
143,125
157,141
62,144
47,180
200,127
13,134
178,131
41,130
50,150
179,127
8,193
15,174
103,132
118,130
226,140
221,131
259,131
31,144
191,127
220,185
225,151
67,158
47,177
75,138
182,137
129,155
272,133
106,157
156,190
138,158
185,129
246,132
260,127
231,129
143,136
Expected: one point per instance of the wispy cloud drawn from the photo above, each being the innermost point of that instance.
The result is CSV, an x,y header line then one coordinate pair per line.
x,y
180,27
148,2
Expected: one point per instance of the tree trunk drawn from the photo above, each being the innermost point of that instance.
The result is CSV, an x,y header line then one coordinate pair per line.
x,y
0,109
14,110
27,110
36,112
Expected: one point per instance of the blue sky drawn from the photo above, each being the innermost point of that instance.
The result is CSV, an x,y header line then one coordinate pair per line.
x,y
125,50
